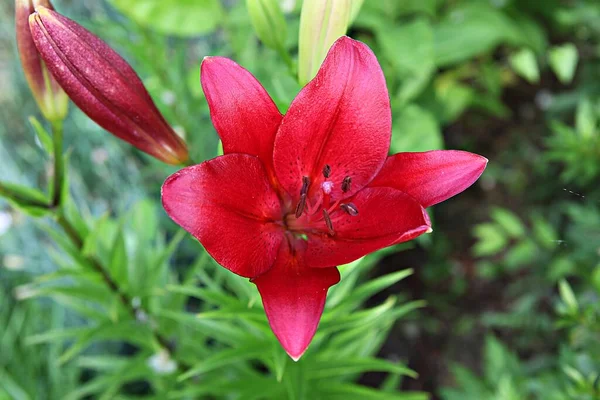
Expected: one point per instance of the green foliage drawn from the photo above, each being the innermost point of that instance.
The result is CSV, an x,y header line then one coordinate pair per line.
x,y
104,298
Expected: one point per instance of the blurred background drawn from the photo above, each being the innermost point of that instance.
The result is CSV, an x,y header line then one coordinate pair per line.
x,y
510,276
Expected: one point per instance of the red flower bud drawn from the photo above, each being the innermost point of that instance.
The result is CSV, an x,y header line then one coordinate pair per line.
x,y
51,99
104,86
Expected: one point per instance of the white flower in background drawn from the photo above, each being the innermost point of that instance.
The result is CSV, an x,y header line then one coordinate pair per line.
x,y
13,262
287,6
6,221
23,292
99,155
162,363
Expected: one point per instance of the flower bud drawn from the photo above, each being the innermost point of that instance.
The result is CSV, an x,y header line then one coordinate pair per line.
x,y
322,22
104,86
51,99
268,22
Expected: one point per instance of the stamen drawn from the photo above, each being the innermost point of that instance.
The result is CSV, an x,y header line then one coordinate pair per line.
x,y
328,222
300,206
326,170
305,183
346,184
327,186
350,208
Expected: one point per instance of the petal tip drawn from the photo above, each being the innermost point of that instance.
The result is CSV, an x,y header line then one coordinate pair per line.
x,y
296,358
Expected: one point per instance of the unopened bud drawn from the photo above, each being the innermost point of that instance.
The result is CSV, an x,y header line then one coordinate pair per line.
x,y
322,22
51,99
104,86
268,22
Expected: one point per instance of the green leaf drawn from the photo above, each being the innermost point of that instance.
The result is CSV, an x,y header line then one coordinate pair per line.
x,y
350,391
42,135
586,118
368,289
117,266
509,222
563,61
490,240
471,29
341,367
567,296
525,65
174,17
223,358
415,129
31,201
414,65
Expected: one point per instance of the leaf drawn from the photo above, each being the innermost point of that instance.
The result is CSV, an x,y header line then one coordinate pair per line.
x,y
341,367
350,391
223,358
472,29
368,289
567,296
510,222
525,65
563,61
174,17
117,266
415,129
30,201
490,240
414,65
42,135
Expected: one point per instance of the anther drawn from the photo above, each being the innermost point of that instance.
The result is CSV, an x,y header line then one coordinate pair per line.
x,y
346,184
350,208
326,170
301,205
305,183
328,222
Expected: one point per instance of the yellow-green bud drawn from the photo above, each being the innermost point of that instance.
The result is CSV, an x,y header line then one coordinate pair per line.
x,y
268,22
322,22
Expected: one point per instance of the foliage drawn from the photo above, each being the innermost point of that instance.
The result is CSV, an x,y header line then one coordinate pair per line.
x,y
107,299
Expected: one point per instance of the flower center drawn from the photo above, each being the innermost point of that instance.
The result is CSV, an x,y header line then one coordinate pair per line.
x,y
307,214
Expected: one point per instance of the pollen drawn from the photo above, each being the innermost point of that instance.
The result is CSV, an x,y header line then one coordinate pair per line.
x,y
327,186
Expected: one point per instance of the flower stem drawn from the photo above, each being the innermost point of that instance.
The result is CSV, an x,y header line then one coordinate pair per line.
x,y
59,164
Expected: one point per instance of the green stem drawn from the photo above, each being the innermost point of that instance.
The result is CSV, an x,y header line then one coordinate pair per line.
x,y
59,164
288,60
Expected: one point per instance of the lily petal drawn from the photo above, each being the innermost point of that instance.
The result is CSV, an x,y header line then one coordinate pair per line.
x,y
342,118
294,297
385,217
242,112
433,176
228,204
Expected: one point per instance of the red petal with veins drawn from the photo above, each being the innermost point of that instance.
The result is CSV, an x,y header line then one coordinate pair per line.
x,y
386,216
433,176
342,118
228,204
241,110
294,296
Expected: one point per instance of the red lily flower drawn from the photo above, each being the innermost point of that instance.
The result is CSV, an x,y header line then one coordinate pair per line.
x,y
296,195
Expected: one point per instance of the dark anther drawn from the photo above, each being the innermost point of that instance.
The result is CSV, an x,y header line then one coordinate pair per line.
x,y
328,222
326,170
305,183
300,206
346,184
350,208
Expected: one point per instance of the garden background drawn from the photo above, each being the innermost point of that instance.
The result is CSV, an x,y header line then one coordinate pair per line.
x,y
499,302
